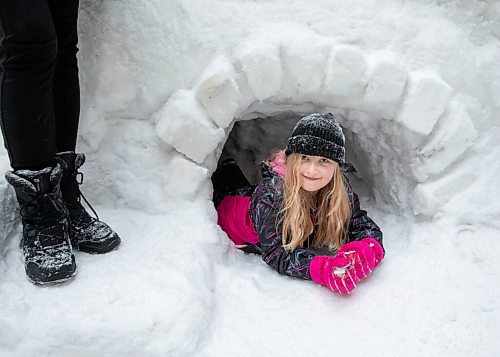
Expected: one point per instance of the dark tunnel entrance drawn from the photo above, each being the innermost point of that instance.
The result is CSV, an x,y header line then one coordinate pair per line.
x,y
251,141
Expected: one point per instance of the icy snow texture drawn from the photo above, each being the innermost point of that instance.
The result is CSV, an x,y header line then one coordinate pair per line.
x,y
176,286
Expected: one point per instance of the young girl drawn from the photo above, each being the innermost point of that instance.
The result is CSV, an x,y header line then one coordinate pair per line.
x,y
303,217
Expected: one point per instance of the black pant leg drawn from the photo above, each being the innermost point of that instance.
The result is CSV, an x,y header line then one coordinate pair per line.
x,y
66,83
28,49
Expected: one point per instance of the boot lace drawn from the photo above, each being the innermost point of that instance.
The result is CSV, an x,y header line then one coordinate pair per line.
x,y
79,181
44,208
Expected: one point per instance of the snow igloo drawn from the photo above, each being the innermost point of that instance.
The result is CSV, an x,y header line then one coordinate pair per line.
x,y
405,130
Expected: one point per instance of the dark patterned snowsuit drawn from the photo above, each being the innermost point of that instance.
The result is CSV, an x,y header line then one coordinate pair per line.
x,y
265,204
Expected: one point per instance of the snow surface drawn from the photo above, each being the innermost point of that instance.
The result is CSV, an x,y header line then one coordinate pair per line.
x,y
163,85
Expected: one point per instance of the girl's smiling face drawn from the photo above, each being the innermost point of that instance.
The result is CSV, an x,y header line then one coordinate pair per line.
x,y
315,172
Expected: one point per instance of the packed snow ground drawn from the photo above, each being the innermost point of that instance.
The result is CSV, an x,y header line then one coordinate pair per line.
x,y
419,84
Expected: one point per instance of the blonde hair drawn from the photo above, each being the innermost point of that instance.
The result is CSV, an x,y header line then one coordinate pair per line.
x,y
332,206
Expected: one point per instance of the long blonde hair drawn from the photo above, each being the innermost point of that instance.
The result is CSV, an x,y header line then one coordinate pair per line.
x,y
332,206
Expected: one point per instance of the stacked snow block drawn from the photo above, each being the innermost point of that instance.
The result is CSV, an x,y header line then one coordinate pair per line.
x,y
184,124
261,64
429,197
453,135
302,70
185,178
372,83
385,85
345,72
217,89
425,101
304,58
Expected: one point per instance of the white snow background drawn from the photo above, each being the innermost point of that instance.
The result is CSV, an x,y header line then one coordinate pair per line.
x,y
163,84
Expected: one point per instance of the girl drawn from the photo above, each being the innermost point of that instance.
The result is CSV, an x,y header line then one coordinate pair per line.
x,y
303,217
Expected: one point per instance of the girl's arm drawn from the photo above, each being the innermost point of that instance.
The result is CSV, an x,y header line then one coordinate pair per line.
x,y
263,213
361,225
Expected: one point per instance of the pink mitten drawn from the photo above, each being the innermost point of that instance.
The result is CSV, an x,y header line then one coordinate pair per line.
x,y
361,256
377,249
336,273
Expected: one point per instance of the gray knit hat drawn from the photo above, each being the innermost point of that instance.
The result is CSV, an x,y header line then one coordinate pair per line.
x,y
318,135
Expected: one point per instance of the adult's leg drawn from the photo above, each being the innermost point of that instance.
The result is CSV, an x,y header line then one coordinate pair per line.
x,y
87,233
66,85
28,49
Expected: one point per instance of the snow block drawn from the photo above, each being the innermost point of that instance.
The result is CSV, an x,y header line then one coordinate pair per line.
x,y
426,100
184,178
386,82
183,124
479,113
345,72
218,90
246,95
429,197
305,60
261,63
454,134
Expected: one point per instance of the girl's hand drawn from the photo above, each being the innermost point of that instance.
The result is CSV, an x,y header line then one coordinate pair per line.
x,y
353,262
336,273
377,249
361,255
341,276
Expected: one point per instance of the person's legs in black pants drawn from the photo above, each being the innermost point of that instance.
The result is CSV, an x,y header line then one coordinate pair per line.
x,y
39,114
87,233
39,87
28,57
66,93
28,52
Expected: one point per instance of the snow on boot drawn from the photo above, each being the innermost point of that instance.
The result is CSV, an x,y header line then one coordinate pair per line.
x,y
48,257
88,234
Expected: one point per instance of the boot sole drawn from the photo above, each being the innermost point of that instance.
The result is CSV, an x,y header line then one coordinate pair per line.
x,y
101,249
57,278
53,282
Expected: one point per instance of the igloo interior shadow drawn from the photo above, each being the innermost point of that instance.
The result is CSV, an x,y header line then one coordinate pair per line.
x,y
252,141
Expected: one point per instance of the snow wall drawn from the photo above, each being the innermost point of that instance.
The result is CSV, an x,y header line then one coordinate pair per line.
x,y
163,85
417,83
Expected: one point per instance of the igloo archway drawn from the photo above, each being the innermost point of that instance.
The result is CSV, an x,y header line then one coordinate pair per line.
x,y
406,129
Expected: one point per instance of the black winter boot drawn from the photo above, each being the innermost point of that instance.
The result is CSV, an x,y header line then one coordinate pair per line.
x,y
48,257
87,233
